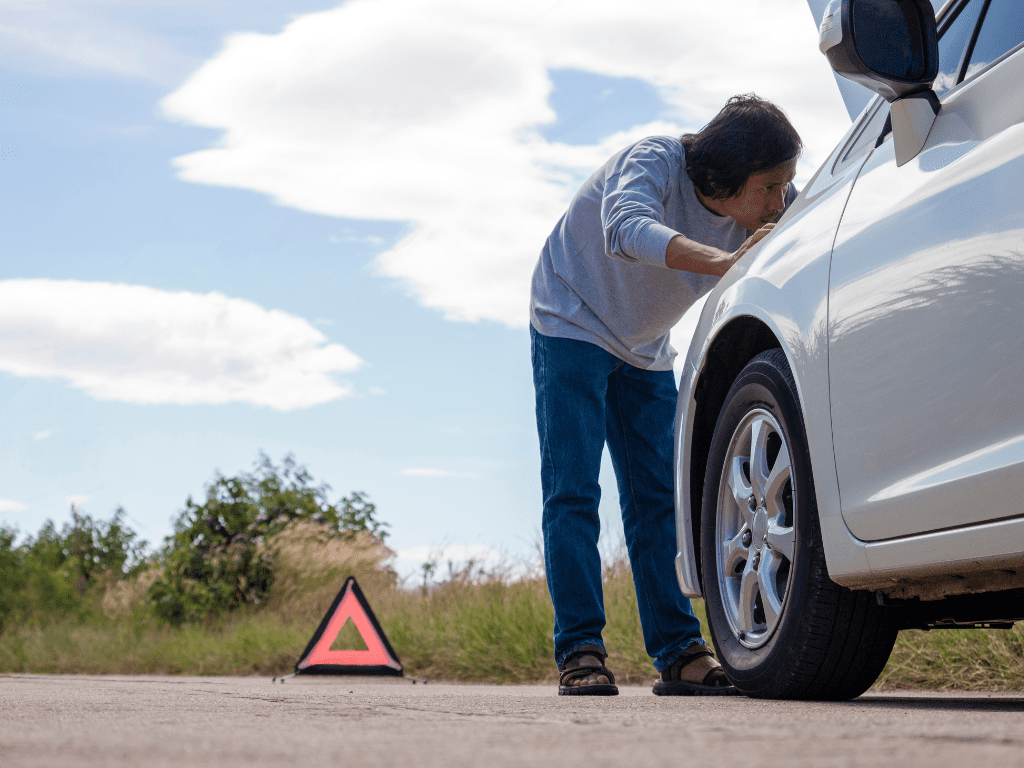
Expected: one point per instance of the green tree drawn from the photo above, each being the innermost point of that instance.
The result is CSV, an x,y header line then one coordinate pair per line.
x,y
50,574
218,558
49,581
97,550
12,575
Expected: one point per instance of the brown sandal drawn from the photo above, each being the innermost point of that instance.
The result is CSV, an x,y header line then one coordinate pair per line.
x,y
712,683
580,664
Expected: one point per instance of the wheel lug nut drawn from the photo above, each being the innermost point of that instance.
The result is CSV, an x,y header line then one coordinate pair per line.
x,y
746,538
752,503
755,562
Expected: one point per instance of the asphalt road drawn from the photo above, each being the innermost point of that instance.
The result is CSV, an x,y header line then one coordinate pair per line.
x,y
57,721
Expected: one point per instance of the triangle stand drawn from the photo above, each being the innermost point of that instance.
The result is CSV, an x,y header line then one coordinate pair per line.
x,y
379,658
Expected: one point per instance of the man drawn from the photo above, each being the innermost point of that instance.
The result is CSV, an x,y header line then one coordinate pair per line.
x,y
646,235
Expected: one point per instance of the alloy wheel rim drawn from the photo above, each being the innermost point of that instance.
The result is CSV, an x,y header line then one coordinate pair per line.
x,y
754,528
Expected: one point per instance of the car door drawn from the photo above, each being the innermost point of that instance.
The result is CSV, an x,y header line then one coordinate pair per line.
x,y
926,328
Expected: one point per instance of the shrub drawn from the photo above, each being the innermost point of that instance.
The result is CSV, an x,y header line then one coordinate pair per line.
x,y
221,555
12,575
94,550
53,574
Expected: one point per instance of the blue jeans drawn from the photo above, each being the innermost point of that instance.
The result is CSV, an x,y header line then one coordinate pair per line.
x,y
586,397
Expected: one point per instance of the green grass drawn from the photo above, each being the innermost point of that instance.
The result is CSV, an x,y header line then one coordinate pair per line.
x,y
476,627
957,660
492,631
239,646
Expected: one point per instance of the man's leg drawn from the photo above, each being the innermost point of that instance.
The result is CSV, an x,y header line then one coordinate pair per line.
x,y
640,423
571,380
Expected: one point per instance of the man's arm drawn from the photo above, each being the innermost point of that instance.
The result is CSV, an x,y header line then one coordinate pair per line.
x,y
691,256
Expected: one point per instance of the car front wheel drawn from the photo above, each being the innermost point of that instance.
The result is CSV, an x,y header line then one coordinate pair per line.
x,y
781,627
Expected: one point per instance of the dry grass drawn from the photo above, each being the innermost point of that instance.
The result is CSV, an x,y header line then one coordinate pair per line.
x,y
311,567
957,659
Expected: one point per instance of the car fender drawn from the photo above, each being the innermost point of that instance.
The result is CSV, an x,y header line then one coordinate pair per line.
x,y
782,286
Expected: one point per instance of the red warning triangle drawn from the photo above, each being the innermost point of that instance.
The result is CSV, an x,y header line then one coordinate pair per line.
x,y
379,658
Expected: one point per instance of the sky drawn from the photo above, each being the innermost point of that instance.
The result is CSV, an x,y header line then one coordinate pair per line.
x,y
308,228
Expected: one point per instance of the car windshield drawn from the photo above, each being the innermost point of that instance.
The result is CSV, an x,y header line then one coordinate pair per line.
x,y
1001,31
953,43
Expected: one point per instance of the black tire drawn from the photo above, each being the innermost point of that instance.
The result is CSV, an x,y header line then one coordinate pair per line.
x,y
817,640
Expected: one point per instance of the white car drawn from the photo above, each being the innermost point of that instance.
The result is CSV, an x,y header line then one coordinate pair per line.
x,y
850,426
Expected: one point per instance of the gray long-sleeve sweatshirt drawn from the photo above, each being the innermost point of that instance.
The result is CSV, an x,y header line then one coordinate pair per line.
x,y
602,277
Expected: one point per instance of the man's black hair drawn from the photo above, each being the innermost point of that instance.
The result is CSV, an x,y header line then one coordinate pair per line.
x,y
748,136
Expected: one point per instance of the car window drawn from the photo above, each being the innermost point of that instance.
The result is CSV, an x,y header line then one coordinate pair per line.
x,y
955,37
1001,31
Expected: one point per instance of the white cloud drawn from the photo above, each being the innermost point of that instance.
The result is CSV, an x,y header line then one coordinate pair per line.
x,y
142,345
363,239
42,435
428,111
8,505
79,500
430,472
84,36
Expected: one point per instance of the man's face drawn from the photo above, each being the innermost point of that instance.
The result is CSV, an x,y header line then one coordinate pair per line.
x,y
762,198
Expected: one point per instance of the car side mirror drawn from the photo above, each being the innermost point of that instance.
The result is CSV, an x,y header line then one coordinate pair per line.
x,y
891,47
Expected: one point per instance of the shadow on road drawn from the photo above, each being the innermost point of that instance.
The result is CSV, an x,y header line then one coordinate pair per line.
x,y
941,703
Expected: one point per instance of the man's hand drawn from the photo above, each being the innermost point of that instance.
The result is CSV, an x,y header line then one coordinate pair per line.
x,y
751,241
691,256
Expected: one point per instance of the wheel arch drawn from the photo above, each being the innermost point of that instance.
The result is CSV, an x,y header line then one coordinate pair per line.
x,y
737,343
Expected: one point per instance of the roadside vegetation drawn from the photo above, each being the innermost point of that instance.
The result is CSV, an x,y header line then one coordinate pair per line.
x,y
247,575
